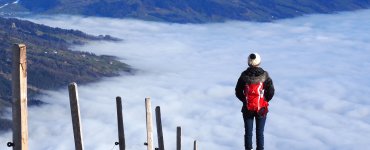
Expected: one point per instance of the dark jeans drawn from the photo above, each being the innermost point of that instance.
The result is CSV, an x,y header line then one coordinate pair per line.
x,y
248,126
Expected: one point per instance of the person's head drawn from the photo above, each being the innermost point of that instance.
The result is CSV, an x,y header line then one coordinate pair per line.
x,y
254,60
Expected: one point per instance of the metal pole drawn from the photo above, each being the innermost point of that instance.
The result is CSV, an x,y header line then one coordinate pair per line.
x,y
149,124
159,128
178,139
121,132
19,98
75,113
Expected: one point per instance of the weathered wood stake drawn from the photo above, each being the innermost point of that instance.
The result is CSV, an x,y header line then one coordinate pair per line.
x,y
19,97
121,132
75,113
178,139
159,128
195,145
149,124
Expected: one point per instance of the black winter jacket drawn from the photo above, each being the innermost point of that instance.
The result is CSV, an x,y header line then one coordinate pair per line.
x,y
245,79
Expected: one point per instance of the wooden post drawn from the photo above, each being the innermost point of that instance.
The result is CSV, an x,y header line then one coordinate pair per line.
x,y
195,145
149,124
19,97
121,132
159,128
178,139
75,113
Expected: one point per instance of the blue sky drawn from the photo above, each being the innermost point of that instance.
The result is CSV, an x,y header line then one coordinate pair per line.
x,y
319,65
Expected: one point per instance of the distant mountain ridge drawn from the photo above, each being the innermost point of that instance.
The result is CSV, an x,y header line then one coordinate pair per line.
x,y
186,11
51,64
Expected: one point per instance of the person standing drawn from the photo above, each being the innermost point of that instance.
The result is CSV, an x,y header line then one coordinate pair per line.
x,y
254,89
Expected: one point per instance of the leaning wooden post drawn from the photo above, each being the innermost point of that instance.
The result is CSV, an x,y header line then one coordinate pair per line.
x,y
178,139
75,112
195,145
19,98
149,124
159,128
121,132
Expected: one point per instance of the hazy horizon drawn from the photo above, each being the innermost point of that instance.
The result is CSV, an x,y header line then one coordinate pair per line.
x,y
319,65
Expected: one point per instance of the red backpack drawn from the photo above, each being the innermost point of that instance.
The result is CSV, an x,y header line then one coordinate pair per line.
x,y
255,100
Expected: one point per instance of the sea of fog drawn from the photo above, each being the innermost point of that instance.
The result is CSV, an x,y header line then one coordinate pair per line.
x,y
320,66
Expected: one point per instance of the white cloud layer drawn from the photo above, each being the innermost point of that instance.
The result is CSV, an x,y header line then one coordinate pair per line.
x,y
319,65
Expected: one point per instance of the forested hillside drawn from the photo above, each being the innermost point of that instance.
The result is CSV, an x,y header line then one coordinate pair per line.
x,y
51,64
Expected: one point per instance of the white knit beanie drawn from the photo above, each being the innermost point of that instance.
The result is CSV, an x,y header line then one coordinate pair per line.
x,y
254,60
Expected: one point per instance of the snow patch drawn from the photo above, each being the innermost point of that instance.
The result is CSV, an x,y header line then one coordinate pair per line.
x,y
16,2
4,5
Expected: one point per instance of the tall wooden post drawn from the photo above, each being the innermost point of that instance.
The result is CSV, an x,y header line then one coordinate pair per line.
x,y
19,97
121,132
159,128
75,113
149,124
178,139
195,145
